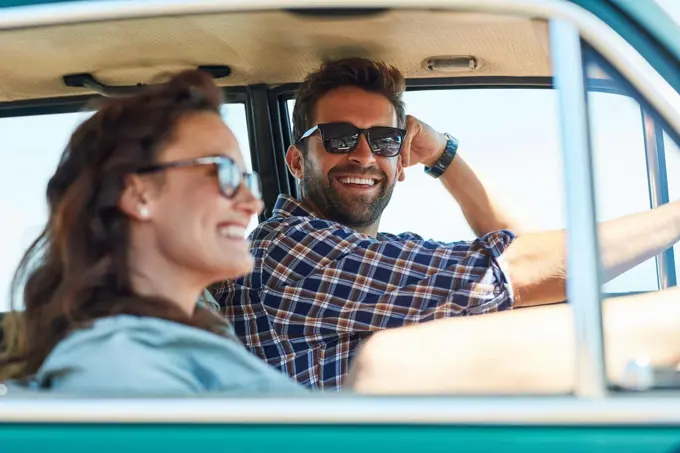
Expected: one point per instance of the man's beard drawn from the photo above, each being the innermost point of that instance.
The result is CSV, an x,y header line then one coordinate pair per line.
x,y
357,212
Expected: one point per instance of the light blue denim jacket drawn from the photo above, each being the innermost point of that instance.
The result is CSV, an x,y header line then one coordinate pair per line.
x,y
130,355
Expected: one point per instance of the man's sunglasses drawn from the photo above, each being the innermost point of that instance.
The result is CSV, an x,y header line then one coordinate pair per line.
x,y
229,174
342,138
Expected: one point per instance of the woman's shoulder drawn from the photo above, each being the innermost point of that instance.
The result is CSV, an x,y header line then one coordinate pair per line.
x,y
144,329
131,354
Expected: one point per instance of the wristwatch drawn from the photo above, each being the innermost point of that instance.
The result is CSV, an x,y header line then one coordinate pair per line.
x,y
445,159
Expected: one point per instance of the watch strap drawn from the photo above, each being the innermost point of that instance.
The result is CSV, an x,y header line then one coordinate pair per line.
x,y
445,159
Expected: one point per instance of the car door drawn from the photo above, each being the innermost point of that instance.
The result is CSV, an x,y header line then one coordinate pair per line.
x,y
607,56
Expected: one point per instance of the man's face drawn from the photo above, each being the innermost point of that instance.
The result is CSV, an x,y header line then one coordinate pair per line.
x,y
352,188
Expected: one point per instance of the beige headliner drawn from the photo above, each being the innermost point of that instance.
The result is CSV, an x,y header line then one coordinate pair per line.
x,y
271,47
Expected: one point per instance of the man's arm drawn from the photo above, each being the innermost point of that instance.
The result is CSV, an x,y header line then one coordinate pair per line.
x,y
526,351
536,261
482,212
480,209
335,279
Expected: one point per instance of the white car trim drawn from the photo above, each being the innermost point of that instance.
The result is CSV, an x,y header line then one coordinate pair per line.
x,y
345,409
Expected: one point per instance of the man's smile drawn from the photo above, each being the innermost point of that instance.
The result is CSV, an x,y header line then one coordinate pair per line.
x,y
358,182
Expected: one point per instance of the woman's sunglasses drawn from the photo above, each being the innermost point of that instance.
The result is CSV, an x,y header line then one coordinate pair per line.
x,y
342,138
229,174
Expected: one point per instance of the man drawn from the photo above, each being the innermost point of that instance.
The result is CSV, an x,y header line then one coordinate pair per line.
x,y
325,279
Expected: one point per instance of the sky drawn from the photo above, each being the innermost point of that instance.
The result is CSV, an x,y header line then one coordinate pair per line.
x,y
511,137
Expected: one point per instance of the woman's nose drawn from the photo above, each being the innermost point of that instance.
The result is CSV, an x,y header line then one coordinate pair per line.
x,y
249,201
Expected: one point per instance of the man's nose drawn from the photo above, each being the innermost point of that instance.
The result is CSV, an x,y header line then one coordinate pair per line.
x,y
362,154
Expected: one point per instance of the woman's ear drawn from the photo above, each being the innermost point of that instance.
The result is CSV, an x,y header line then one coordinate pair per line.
x,y
134,201
294,161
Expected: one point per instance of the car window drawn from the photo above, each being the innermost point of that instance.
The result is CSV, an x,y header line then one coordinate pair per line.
x,y
634,161
620,173
31,147
671,152
511,138
629,157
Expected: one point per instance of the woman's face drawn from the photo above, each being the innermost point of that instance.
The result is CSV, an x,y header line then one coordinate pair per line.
x,y
194,226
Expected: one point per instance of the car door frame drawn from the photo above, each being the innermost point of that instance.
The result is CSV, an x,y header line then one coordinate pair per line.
x,y
597,407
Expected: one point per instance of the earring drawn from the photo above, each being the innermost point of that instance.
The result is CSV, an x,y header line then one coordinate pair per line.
x,y
144,212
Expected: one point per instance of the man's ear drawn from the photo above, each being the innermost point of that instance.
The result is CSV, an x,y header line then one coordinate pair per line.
x,y
294,161
401,174
135,199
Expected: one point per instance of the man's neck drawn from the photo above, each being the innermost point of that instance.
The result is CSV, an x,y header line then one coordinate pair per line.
x,y
369,230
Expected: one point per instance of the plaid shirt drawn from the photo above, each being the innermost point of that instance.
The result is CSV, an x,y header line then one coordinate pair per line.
x,y
319,288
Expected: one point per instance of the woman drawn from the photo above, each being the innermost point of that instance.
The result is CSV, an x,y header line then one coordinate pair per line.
x,y
148,206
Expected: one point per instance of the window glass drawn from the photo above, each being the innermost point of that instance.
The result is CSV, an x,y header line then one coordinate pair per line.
x,y
511,138
31,147
672,153
619,125
620,167
628,142
503,147
235,117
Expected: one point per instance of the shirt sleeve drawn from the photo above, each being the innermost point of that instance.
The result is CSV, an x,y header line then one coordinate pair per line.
x,y
318,277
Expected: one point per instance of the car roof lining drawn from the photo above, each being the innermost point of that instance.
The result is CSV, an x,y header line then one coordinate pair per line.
x,y
271,47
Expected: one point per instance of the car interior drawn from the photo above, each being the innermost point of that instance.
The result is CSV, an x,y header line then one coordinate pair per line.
x,y
487,77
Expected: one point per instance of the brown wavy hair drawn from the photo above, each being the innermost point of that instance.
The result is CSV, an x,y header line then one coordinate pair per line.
x,y
77,271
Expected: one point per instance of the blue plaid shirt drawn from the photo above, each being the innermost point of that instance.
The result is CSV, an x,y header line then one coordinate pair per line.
x,y
319,288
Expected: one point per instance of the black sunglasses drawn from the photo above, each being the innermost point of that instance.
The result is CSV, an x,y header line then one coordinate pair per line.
x,y
229,174
342,138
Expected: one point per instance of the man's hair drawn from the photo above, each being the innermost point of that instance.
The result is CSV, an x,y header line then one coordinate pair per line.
x,y
369,75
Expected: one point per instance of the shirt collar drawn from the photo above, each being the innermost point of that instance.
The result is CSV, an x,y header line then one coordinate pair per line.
x,y
287,206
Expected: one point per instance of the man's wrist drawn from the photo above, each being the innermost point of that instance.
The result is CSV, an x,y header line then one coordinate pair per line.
x,y
443,139
439,167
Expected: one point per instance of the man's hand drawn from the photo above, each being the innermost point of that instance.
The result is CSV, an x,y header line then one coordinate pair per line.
x,y
423,144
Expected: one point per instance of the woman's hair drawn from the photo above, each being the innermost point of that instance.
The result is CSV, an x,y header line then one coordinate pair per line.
x,y
77,269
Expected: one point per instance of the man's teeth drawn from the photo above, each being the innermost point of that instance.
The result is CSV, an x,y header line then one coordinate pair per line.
x,y
360,181
232,232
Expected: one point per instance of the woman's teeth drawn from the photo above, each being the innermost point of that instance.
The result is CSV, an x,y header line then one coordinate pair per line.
x,y
232,232
359,181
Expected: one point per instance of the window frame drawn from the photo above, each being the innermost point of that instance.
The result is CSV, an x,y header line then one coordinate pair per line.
x,y
656,172
554,410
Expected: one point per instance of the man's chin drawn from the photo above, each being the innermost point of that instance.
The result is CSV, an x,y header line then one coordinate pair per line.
x,y
356,218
